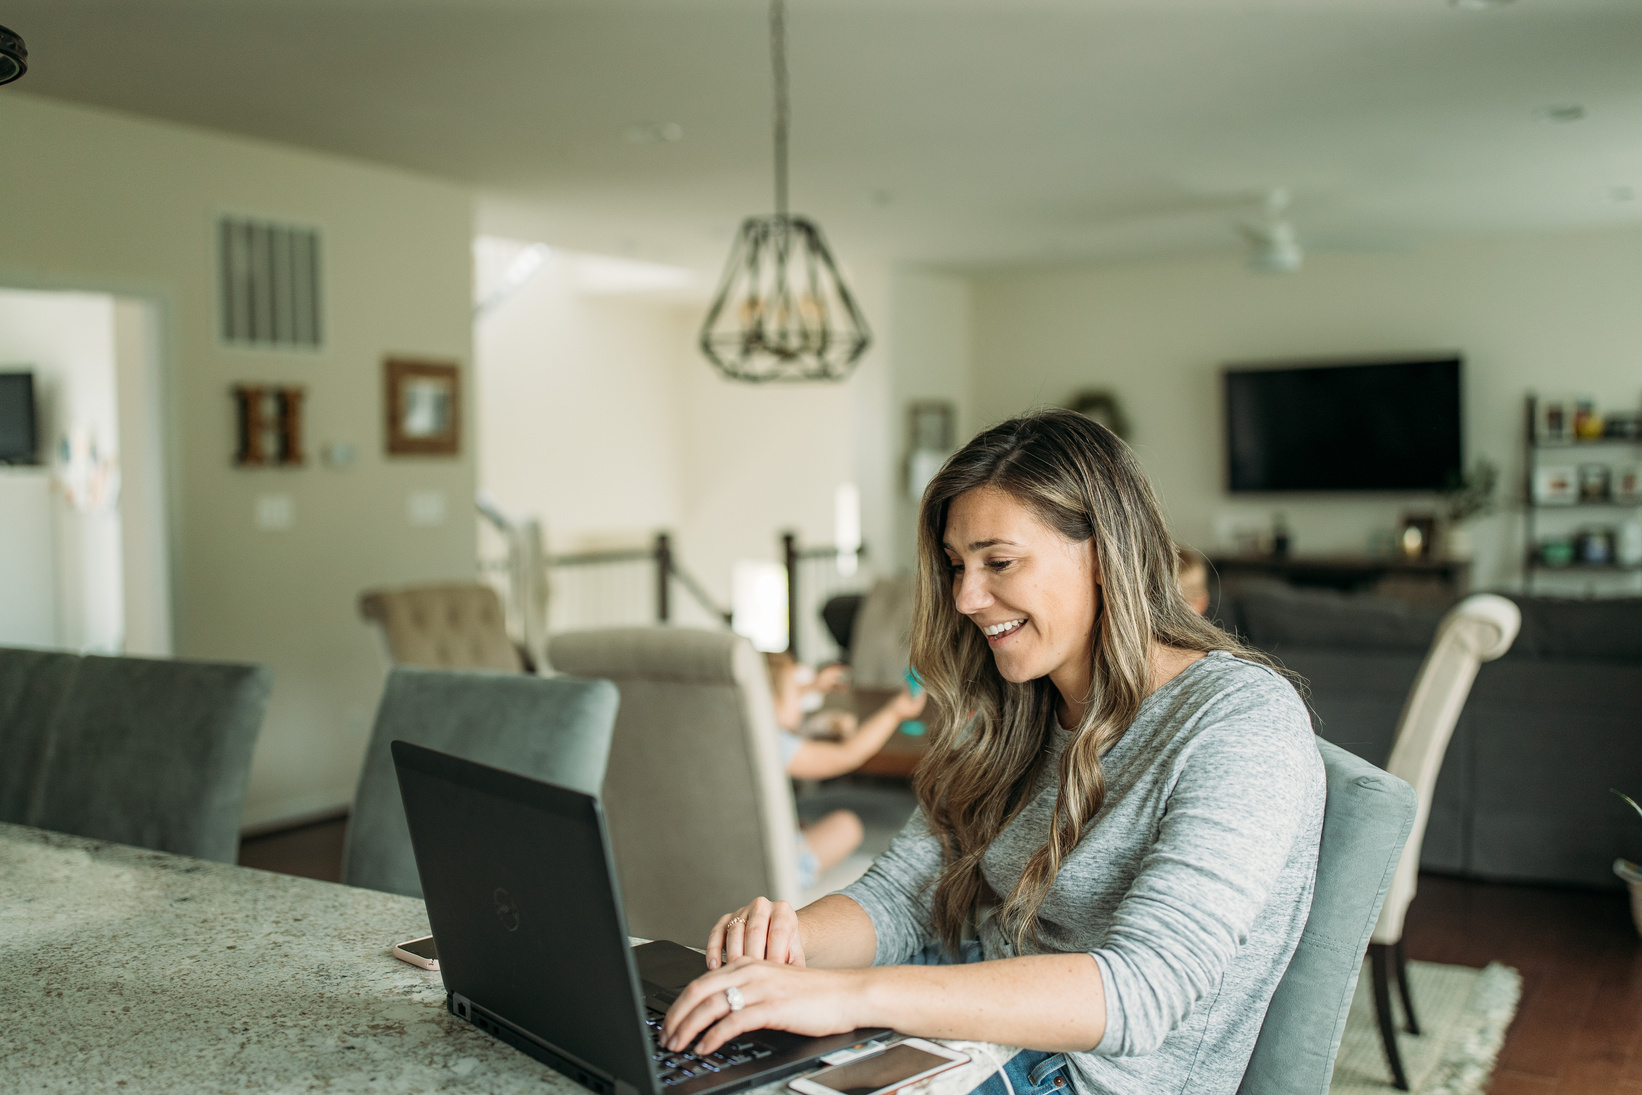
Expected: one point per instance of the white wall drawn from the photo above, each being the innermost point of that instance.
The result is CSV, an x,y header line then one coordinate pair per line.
x,y
578,409
932,348
28,559
1552,312
99,200
599,414
145,515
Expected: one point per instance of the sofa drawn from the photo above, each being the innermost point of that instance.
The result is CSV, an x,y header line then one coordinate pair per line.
x,y
1524,791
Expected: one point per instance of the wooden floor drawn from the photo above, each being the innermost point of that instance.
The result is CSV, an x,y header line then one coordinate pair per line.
x,y
1578,1031
312,851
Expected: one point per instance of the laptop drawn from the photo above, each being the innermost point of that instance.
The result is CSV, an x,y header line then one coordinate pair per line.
x,y
533,947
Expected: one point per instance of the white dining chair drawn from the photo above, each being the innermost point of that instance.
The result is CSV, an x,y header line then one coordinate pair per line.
x,y
1478,629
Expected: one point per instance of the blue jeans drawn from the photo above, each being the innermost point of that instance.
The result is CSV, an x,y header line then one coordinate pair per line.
x,y
1031,1071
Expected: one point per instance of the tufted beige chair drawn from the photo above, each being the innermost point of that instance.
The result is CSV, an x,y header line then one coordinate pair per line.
x,y
443,627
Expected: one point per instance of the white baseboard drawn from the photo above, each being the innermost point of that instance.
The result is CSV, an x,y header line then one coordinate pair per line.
x,y
294,812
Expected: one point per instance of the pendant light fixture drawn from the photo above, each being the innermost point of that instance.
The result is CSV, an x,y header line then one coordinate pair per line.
x,y
782,311
14,56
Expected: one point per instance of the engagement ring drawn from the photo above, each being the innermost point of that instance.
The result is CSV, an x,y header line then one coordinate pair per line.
x,y
733,995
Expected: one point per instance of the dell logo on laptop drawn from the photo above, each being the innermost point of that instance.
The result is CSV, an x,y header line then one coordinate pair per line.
x,y
507,909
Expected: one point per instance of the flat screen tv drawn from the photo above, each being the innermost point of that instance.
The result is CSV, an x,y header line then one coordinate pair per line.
x,y
1351,426
18,443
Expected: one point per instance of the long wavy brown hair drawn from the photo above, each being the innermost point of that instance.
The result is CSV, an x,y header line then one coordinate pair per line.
x,y
988,744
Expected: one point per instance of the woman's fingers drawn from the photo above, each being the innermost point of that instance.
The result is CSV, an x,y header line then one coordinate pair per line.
x,y
700,993
735,936
691,1025
715,942
754,942
783,943
732,1025
779,997
710,1022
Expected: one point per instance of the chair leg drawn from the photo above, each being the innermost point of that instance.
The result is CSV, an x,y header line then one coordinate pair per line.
x,y
1380,964
1402,984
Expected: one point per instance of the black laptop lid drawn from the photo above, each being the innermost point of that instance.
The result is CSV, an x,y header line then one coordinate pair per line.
x,y
521,893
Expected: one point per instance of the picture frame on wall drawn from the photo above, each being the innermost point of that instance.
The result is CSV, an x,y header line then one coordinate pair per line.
x,y
931,430
423,404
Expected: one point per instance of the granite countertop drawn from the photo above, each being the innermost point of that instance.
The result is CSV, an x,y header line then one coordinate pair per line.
x,y
127,970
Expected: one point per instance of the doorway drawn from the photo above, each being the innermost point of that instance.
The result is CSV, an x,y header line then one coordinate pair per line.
x,y
84,553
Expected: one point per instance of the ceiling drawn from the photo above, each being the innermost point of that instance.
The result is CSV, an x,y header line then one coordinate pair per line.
x,y
967,133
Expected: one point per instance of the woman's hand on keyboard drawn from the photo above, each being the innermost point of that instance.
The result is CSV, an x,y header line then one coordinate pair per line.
x,y
764,929
773,996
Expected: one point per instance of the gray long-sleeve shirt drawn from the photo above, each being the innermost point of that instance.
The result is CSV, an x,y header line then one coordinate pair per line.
x,y
1190,888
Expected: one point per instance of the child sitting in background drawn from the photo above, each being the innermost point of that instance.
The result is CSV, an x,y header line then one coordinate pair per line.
x,y
1192,572
825,843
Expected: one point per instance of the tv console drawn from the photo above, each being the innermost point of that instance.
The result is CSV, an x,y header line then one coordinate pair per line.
x,y
1430,582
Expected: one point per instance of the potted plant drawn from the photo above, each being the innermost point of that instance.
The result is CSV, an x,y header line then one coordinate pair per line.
x,y
1631,873
1469,495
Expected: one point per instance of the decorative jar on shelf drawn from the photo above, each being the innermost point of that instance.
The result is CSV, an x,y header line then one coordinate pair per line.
x,y
1629,551
1594,546
1556,553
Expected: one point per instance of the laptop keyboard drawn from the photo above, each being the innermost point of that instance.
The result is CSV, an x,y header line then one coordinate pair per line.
x,y
675,1068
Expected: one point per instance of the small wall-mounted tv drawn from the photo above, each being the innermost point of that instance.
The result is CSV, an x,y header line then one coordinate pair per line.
x,y
19,443
1384,425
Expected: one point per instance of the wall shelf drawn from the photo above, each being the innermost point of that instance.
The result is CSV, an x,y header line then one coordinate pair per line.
x,y
1582,568
1422,580
1536,511
1596,442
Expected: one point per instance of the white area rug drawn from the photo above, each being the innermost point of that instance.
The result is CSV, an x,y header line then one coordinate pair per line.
x,y
1463,1013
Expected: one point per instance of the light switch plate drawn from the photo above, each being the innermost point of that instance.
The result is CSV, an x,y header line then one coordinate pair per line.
x,y
275,512
425,508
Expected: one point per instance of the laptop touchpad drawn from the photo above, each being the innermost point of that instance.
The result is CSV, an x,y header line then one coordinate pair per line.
x,y
666,967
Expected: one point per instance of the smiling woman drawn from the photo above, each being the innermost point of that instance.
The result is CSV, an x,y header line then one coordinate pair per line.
x,y
1116,842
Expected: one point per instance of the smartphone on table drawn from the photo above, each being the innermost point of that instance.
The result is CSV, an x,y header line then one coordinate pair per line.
x,y
418,952
881,1071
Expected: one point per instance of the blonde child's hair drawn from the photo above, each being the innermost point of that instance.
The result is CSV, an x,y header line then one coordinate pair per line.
x,y
781,667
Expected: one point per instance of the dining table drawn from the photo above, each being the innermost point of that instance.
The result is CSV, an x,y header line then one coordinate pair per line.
x,y
129,970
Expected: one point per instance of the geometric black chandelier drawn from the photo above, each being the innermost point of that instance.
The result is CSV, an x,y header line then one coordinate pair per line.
x,y
14,56
782,310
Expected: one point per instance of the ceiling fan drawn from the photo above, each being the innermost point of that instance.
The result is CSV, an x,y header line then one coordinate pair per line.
x,y
1274,245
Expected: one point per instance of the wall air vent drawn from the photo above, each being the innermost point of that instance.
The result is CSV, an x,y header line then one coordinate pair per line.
x,y
268,278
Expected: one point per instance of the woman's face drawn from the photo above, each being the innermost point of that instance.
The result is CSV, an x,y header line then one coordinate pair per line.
x,y
1034,594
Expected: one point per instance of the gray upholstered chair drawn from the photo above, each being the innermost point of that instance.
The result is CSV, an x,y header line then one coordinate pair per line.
x,y
443,626
152,753
33,684
1366,822
551,728
881,640
700,809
